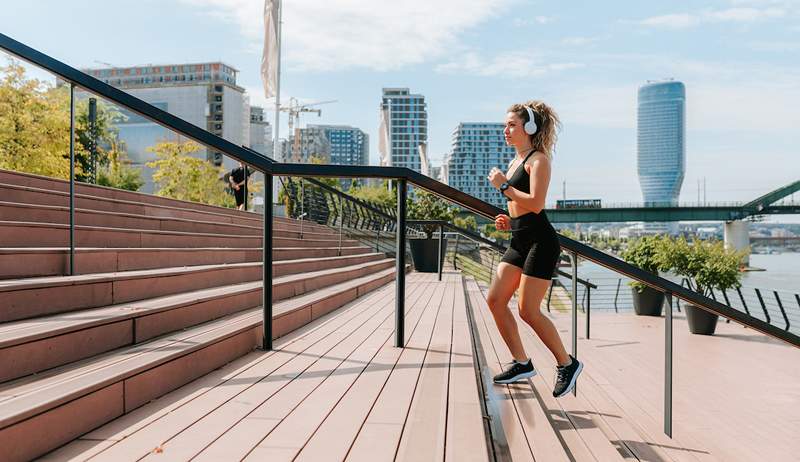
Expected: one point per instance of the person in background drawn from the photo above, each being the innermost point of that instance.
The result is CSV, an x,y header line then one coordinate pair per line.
x,y
238,181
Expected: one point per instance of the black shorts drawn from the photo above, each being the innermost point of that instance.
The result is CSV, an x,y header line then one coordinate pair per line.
x,y
534,246
239,195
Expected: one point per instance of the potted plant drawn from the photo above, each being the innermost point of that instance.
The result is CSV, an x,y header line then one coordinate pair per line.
x,y
426,206
707,265
644,253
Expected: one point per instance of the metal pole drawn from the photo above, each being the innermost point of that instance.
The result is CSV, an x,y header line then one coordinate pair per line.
x,y
341,224
302,205
276,144
266,301
588,308
245,188
616,296
400,260
550,293
780,305
72,179
668,367
455,254
441,256
575,311
763,306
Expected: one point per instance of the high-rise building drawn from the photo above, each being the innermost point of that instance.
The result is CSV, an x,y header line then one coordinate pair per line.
x,y
204,94
408,125
348,145
476,148
260,132
660,145
309,142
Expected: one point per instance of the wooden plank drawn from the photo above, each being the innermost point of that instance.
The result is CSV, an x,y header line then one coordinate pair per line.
x,y
296,429
542,438
514,434
466,439
306,377
334,436
181,412
377,439
425,428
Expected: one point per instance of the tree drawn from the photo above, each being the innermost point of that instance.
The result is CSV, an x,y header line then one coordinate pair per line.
x,y
106,135
118,173
34,127
380,195
178,175
428,206
469,222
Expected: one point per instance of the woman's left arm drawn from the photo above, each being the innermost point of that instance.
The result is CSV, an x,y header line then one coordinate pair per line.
x,y
539,172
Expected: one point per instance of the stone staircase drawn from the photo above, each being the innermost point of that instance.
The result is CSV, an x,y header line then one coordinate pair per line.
x,y
165,291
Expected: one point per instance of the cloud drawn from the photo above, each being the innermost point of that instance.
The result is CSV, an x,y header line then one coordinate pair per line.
x,y
515,64
326,35
541,20
736,15
580,41
775,46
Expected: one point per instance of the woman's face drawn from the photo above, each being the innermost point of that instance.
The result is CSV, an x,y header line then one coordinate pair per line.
x,y
514,132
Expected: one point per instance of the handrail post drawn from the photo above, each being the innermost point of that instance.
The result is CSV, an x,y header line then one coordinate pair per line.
x,y
575,311
668,366
588,307
616,295
780,305
550,292
400,265
341,224
302,204
441,257
455,254
72,179
763,306
266,292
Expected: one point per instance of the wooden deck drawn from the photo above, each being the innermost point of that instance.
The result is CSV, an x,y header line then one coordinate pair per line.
x,y
337,389
736,394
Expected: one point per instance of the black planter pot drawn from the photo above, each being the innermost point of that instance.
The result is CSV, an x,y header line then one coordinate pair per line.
x,y
649,302
700,321
423,252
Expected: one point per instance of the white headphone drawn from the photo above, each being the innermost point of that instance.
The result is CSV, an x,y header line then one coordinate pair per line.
x,y
530,126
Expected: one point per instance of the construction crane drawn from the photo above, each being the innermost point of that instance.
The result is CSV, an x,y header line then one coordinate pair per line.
x,y
294,109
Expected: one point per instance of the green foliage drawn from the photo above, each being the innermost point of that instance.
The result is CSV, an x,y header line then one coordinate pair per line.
x,y
490,231
645,253
469,222
181,176
380,195
34,127
428,206
106,135
118,173
707,264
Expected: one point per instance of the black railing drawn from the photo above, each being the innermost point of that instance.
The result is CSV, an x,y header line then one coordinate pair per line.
x,y
402,176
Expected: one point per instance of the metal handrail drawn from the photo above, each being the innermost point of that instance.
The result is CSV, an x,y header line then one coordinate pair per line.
x,y
403,176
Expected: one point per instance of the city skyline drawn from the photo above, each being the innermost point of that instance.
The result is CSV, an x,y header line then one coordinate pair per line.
x,y
738,59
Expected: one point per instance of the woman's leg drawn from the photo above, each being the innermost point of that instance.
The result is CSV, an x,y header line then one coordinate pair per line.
x,y
500,292
532,291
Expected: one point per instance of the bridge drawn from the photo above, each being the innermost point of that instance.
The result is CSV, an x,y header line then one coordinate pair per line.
x,y
771,203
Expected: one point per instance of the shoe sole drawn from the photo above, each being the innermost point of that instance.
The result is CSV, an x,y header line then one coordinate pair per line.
x,y
572,382
525,375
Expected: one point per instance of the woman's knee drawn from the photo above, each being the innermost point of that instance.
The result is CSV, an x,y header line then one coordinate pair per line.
x,y
496,302
531,315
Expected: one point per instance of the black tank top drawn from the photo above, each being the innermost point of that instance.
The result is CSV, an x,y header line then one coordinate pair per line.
x,y
521,180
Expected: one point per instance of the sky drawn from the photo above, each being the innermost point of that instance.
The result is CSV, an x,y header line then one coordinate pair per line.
x,y
739,60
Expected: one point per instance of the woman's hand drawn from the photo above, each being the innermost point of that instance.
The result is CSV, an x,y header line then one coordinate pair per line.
x,y
502,222
497,177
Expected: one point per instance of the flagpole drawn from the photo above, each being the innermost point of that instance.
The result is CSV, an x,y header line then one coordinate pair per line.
x,y
276,144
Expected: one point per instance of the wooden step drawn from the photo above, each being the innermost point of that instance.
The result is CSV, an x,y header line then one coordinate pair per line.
x,y
90,393
27,234
25,262
30,298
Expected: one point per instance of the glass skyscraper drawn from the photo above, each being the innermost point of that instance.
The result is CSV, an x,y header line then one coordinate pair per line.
x,y
476,148
660,145
408,121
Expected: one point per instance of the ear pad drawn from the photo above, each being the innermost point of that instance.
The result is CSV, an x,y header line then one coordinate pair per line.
x,y
530,126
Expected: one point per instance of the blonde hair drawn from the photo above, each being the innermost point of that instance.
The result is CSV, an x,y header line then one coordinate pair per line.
x,y
549,125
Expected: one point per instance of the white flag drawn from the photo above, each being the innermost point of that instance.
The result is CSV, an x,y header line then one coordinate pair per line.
x,y
269,60
423,158
384,139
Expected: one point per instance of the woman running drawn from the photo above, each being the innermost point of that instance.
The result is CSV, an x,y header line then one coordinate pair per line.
x,y
532,256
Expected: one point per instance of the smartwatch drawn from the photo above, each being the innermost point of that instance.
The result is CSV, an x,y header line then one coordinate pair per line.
x,y
503,187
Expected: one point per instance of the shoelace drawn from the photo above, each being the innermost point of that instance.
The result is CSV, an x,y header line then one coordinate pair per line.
x,y
562,374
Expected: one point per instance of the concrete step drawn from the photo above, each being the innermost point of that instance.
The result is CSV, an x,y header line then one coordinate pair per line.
x,y
30,234
68,401
27,262
34,345
11,211
34,297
